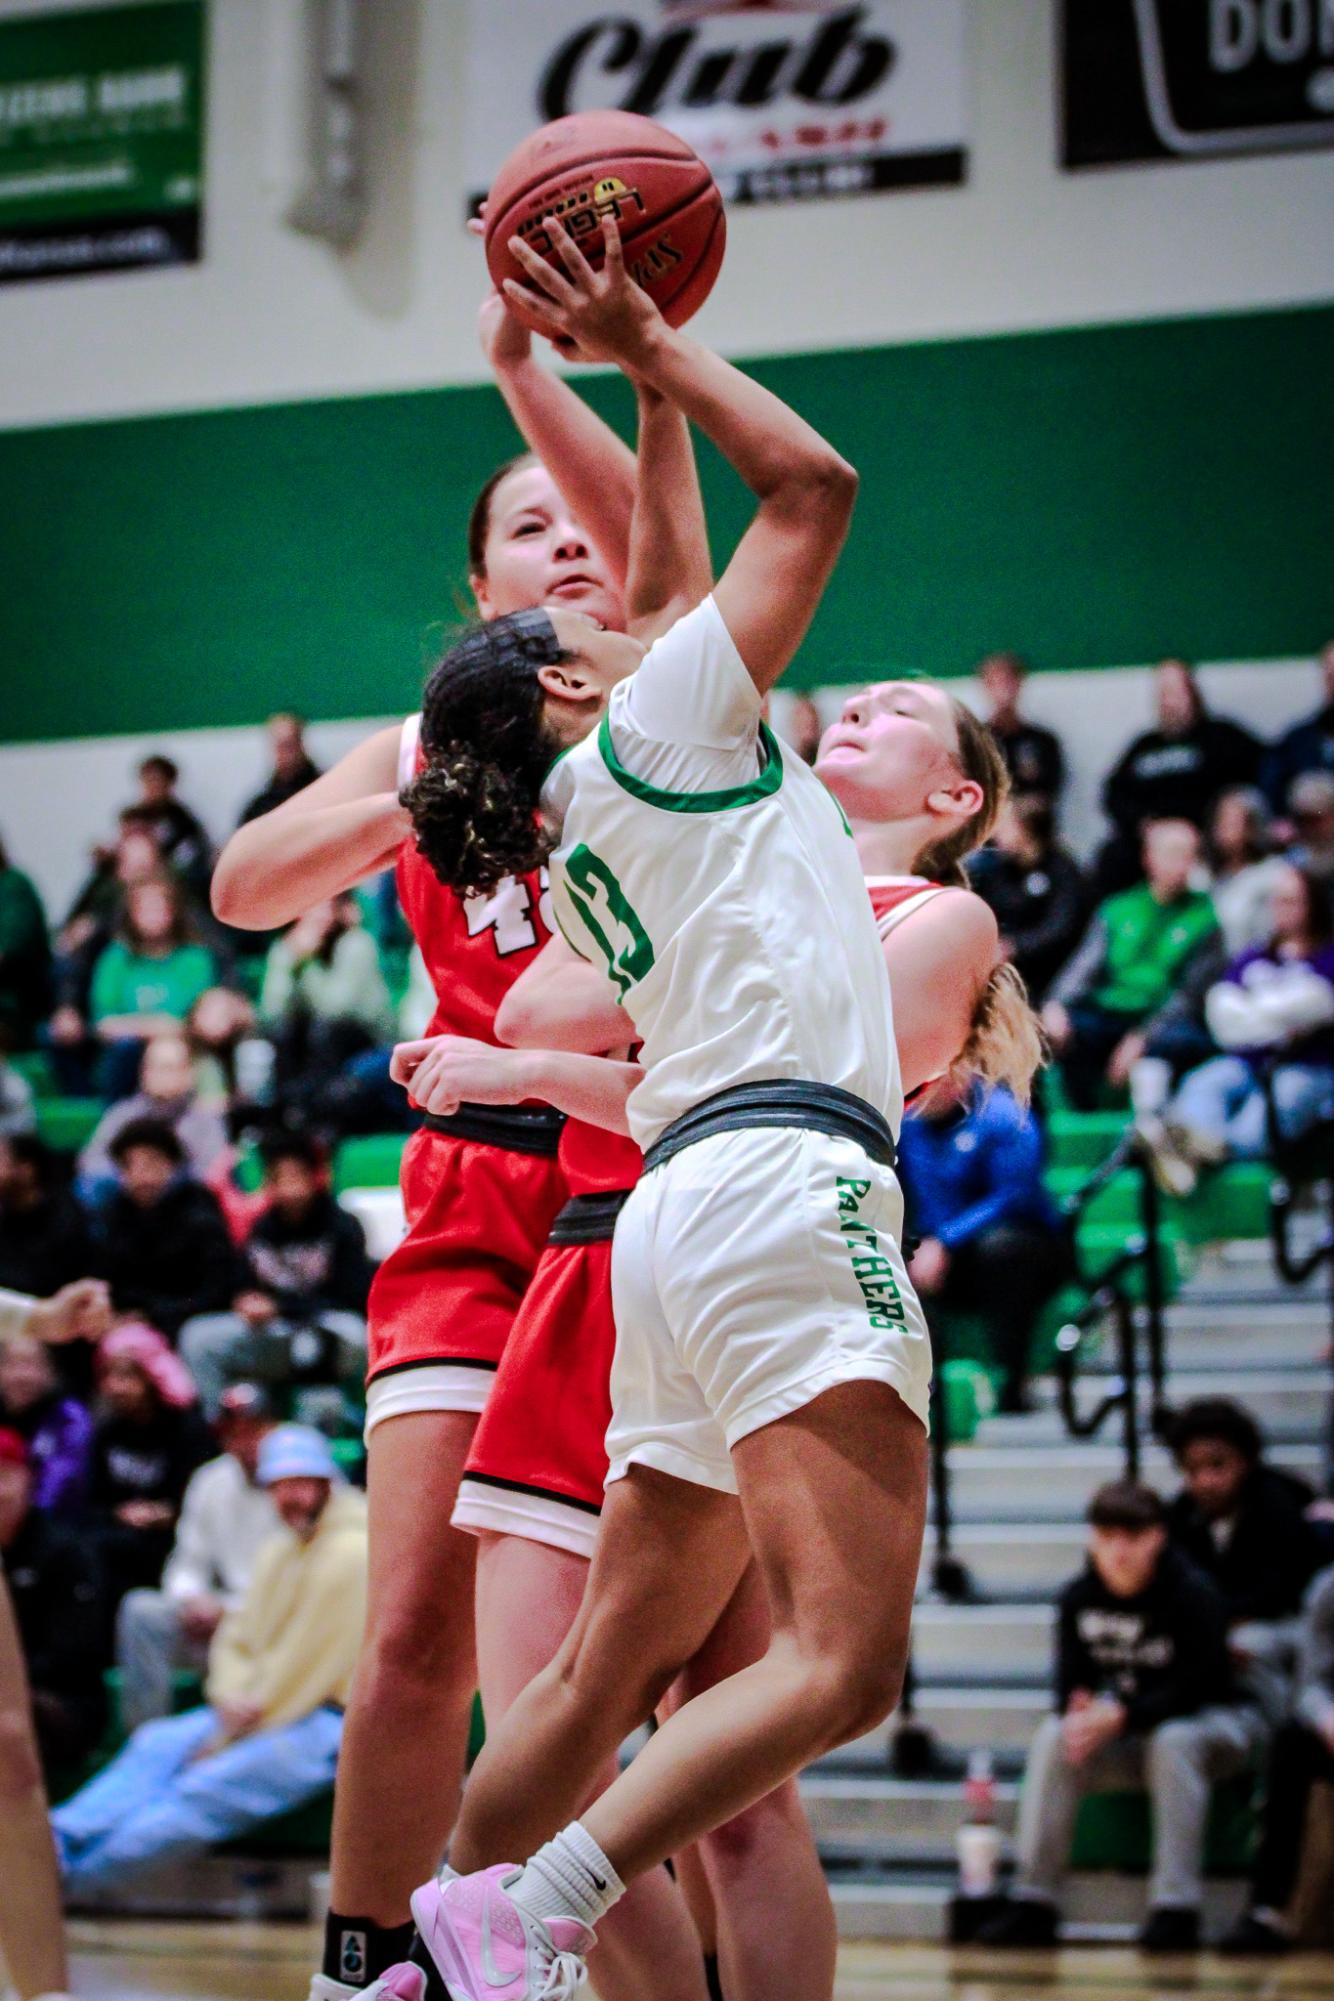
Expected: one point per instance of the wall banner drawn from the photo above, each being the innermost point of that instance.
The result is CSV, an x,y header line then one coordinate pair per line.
x,y
1194,79
101,139
786,101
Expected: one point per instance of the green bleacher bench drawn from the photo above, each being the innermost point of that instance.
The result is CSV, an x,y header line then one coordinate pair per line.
x,y
34,1066
1115,1831
369,1162
1230,1202
67,1123
1083,1139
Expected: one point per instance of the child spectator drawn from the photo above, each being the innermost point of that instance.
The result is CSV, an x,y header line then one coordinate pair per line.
x,y
1144,1697
1033,755
992,1241
147,979
25,956
148,1440
1037,890
1307,746
58,1608
1244,1524
1129,989
279,1669
57,1429
45,1242
1302,1757
301,1313
166,1094
1245,867
162,1243
1174,771
1274,1007
226,1517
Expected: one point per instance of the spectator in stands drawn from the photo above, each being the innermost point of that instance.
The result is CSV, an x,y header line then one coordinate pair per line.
x,y
1311,798
1033,755
166,1094
293,766
18,1113
1307,746
94,917
44,1237
804,728
1245,867
146,980
1174,771
25,956
226,1517
1144,1697
324,1000
300,1315
1274,1008
57,1429
181,839
991,1239
54,1584
162,1242
279,1669
148,1440
1036,888
1133,986
1246,1525
1302,1757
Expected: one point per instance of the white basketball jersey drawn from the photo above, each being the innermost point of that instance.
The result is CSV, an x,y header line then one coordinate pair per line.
x,y
716,880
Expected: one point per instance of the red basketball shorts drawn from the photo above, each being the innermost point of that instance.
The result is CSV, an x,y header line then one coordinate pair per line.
x,y
443,1303
538,1461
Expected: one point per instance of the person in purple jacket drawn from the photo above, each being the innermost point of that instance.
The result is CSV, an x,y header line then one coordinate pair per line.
x,y
57,1429
1275,1006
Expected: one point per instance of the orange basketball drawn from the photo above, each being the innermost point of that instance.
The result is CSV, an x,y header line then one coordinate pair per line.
x,y
578,169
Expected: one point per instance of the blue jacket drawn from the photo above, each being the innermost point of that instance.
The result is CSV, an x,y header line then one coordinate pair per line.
x,y
979,1167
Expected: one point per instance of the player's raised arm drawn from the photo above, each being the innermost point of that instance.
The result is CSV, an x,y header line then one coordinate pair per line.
x,y
770,590
670,565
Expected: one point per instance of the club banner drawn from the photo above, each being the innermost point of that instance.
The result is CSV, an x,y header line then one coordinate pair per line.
x,y
101,139
1194,79
784,101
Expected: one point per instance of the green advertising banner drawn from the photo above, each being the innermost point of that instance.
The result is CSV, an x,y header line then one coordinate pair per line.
x,y
101,139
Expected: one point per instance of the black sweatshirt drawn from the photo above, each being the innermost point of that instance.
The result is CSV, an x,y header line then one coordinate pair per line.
x,y
1271,1554
171,1260
1162,1654
59,1611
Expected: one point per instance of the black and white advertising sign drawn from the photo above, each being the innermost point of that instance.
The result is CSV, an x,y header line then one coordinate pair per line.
x,y
785,101
1194,79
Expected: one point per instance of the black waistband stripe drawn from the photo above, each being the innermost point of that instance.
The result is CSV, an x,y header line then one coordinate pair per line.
x,y
589,1219
515,1128
781,1101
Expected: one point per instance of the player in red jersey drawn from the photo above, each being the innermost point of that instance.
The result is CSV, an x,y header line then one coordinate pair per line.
x,y
480,1189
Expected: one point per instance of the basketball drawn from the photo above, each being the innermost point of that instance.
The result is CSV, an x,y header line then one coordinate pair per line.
x,y
577,170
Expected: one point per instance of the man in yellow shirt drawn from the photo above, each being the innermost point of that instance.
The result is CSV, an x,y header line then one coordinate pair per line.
x,y
280,1664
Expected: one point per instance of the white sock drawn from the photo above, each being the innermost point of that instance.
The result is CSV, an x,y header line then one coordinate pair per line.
x,y
569,1878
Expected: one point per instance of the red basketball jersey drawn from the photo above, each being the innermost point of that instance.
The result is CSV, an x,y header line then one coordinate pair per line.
x,y
894,897
596,1162
474,947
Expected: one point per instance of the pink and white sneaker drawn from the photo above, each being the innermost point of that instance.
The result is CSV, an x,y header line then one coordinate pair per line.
x,y
401,1983
485,1948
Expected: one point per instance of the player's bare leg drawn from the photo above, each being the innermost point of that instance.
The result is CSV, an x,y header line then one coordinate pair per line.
x,y
32,1932
528,1597
406,1734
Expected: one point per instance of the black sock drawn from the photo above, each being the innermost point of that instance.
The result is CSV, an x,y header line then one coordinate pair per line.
x,y
358,1952
711,1970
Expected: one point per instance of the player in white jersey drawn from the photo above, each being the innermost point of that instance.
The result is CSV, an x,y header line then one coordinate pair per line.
x,y
772,1346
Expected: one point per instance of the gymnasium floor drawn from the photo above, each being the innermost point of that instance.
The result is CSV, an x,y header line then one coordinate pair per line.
x,y
247,1963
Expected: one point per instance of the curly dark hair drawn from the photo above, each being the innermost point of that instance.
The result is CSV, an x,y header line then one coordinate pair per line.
x,y
1219,1420
487,750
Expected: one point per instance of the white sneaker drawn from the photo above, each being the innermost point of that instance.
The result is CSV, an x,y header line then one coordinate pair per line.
x,y
404,1983
324,1989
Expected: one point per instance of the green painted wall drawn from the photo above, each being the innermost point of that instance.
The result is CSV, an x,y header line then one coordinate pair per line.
x,y
1094,496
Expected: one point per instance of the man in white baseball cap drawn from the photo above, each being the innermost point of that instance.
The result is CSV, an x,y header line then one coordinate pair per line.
x,y
267,1738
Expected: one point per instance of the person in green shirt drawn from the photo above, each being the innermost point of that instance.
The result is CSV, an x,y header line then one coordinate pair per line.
x,y
147,979
1134,985
25,956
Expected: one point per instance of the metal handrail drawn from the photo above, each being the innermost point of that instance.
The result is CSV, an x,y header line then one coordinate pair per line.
x,y
1109,1296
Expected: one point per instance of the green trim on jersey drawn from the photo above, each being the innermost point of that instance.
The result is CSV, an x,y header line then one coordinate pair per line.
x,y
763,787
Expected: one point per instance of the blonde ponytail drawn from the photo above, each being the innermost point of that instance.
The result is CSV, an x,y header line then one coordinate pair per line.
x,y
1005,1043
